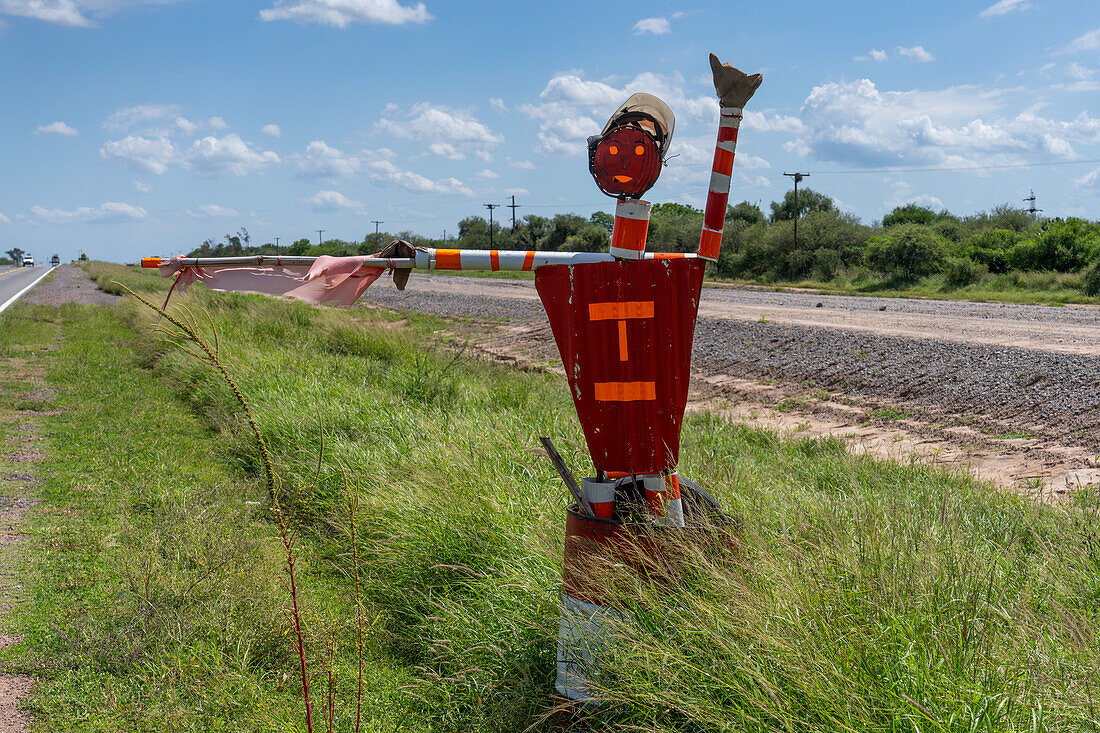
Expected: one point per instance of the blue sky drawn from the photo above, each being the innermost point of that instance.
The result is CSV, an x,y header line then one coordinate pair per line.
x,y
142,127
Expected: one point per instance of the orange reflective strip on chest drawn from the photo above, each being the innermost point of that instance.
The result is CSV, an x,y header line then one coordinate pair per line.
x,y
625,391
621,310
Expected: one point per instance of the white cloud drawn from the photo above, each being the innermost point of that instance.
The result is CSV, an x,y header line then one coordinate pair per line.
x,y
875,54
927,201
1003,7
487,174
272,130
428,122
74,13
656,26
517,192
1086,42
4,219
762,122
446,150
498,104
855,123
917,53
484,156
213,155
566,135
384,172
1089,180
332,201
56,128
124,119
341,13
110,211
523,165
144,154
186,126
142,187
217,123
211,211
323,161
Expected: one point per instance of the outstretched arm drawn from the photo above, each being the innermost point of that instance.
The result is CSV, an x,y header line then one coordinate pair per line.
x,y
734,88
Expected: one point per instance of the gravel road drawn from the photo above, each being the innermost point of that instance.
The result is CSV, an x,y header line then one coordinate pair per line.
x,y
1034,366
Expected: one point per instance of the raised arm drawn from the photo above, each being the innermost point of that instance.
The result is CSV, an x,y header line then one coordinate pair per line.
x,y
734,88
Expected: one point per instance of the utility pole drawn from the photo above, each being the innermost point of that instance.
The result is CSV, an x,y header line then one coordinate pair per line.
x,y
490,207
319,233
1030,200
513,207
797,177
277,245
376,223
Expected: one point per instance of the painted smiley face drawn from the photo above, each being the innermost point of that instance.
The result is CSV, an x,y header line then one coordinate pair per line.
x,y
627,163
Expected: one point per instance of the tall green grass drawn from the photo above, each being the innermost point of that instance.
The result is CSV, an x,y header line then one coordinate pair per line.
x,y
869,595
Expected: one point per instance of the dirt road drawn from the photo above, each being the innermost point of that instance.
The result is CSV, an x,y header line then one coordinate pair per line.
x,y
1008,391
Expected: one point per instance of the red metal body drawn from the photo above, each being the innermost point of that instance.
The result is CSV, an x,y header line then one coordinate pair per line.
x,y
624,332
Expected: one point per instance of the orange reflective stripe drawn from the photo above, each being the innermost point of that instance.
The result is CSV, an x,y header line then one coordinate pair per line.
x,y
723,161
673,482
528,260
494,259
150,262
629,233
710,243
448,259
669,255
619,311
624,355
625,391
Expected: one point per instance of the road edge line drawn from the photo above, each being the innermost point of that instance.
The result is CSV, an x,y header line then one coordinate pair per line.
x,y
17,296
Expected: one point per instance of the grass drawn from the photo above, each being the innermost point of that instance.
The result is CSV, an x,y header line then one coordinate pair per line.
x,y
869,595
1032,288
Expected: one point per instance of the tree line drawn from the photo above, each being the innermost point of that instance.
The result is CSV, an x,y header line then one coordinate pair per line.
x,y
910,244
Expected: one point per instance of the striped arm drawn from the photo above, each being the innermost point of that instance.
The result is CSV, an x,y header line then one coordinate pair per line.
x,y
714,219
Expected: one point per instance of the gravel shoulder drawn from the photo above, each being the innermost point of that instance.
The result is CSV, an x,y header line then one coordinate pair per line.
x,y
1007,391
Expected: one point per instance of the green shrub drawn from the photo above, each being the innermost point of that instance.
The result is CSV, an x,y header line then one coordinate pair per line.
x,y
958,272
1090,278
907,251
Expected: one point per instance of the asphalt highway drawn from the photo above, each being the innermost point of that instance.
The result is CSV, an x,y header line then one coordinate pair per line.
x,y
15,281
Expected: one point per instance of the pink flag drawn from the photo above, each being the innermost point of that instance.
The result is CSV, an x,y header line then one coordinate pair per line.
x,y
329,279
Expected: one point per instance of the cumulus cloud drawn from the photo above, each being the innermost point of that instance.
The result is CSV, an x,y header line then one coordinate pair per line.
x,y
110,211
1089,180
142,187
324,161
384,172
341,13
56,128
140,153
656,26
124,119
211,156
565,136
523,165
429,122
498,104
272,130
916,53
4,219
211,211
1003,7
856,123
446,150
217,123
332,201
487,174
1085,42
73,13
186,126
875,54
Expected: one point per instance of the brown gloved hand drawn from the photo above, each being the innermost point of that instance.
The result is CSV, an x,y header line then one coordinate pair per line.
x,y
733,86
398,248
